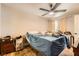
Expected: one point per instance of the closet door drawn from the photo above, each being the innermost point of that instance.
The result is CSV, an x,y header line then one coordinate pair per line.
x,y
76,29
76,24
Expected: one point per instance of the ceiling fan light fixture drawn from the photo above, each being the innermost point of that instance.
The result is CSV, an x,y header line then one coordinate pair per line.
x,y
51,13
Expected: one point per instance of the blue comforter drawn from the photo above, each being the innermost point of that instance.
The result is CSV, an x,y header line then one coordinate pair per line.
x,y
47,45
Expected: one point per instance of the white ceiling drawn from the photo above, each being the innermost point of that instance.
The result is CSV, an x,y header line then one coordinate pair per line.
x,y
33,8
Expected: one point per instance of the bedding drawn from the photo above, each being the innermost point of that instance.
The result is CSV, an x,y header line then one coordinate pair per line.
x,y
47,45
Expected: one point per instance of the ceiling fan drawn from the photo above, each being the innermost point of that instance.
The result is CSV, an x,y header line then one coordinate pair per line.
x,y
52,9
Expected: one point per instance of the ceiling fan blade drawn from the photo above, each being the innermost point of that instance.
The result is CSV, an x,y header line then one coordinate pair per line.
x,y
44,14
56,5
60,10
50,4
44,9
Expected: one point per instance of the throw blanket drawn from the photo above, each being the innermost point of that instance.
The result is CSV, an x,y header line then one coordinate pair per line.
x,y
47,45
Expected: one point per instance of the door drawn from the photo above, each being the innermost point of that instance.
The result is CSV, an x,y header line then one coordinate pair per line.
x,y
76,29
76,24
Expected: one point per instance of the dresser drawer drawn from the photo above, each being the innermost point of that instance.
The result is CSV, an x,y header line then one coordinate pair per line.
x,y
7,48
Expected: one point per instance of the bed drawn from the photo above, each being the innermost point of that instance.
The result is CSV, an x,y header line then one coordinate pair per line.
x,y
47,45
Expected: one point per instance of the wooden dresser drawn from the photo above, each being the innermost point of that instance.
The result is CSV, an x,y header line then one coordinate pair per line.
x,y
0,45
6,46
76,45
76,51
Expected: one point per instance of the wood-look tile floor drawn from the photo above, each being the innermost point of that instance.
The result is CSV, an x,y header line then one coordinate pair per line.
x,y
67,52
30,52
25,52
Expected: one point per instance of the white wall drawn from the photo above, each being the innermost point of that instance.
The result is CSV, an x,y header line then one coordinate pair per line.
x,y
14,22
0,19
